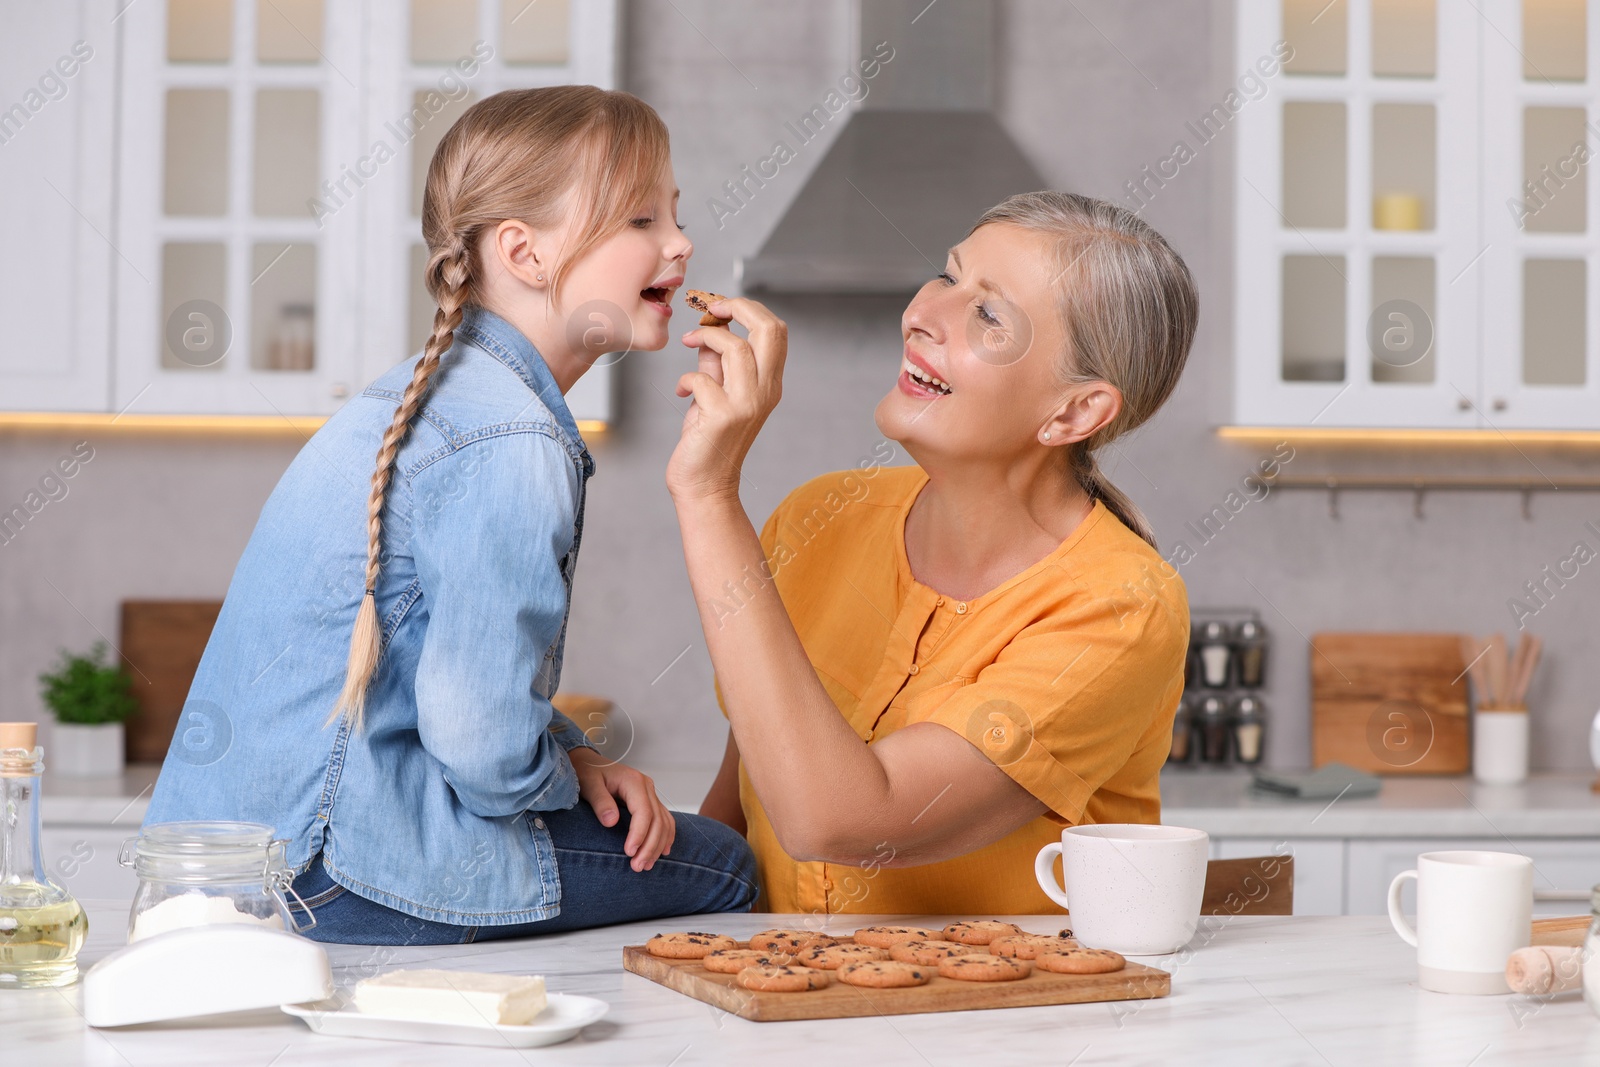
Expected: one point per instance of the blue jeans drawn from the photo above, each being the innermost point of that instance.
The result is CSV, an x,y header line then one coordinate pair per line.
x,y
711,869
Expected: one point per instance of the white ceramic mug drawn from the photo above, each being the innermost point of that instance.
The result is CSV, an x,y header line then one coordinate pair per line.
x,y
1134,888
1473,910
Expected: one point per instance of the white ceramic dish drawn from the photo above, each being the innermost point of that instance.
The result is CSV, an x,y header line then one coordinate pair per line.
x,y
560,1021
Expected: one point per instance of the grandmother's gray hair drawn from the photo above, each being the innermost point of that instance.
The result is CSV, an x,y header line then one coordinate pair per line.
x,y
1128,309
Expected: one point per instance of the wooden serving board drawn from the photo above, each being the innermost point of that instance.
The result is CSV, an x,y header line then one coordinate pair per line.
x,y
1390,703
840,1001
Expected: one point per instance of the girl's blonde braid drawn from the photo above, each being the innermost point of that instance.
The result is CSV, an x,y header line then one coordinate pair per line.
x,y
449,279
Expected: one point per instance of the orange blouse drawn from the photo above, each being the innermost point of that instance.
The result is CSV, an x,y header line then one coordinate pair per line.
x,y
1067,676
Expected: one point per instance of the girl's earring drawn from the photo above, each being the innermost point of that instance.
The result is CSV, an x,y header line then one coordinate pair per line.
x,y
541,277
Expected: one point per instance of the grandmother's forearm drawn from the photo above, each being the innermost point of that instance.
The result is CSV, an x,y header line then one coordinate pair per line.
x,y
814,776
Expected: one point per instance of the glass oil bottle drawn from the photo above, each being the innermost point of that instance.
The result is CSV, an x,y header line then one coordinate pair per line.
x,y
41,926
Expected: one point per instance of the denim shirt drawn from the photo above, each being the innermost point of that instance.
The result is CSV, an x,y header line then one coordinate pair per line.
x,y
431,807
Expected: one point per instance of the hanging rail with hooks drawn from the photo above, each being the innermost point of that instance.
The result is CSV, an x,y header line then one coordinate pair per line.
x,y
1419,488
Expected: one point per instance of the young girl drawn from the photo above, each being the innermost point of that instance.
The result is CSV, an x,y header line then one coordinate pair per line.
x,y
424,602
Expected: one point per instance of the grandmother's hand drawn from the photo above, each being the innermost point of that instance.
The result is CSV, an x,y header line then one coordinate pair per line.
x,y
651,829
738,384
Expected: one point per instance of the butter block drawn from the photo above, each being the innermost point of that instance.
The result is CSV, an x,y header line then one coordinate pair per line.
x,y
452,997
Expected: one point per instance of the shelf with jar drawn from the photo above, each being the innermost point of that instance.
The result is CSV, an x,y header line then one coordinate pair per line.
x,y
1221,719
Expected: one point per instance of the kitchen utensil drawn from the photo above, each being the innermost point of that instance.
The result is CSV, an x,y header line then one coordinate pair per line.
x,y
839,1001
1500,745
1473,910
1389,703
1134,888
1545,970
204,970
560,1021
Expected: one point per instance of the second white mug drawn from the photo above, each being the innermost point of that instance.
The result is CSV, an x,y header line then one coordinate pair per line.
x,y
1473,910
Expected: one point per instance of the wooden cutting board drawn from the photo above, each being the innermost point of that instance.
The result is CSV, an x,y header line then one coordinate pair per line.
x,y
162,641
1390,703
840,1001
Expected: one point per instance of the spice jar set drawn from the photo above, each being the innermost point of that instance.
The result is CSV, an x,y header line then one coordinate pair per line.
x,y
1221,719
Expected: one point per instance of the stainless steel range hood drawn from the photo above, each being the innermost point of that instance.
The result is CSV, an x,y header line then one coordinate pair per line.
x,y
913,167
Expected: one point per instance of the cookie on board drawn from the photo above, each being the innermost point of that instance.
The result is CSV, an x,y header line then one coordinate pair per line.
x,y
787,978
1082,961
884,974
1029,946
832,957
979,931
929,953
985,968
884,936
734,960
691,945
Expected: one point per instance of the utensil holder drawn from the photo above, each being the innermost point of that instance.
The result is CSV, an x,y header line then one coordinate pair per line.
x,y
1500,744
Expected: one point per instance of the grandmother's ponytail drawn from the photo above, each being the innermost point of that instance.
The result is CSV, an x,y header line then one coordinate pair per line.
x,y
1128,307
514,155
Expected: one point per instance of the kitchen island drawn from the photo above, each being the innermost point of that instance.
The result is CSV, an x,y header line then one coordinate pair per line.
x,y
1250,990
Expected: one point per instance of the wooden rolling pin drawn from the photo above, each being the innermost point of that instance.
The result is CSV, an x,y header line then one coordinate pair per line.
x,y
1545,969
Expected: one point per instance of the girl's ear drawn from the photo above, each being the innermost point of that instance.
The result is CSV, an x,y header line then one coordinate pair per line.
x,y
519,251
1084,411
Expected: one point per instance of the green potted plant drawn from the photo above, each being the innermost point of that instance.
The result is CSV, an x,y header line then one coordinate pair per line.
x,y
90,698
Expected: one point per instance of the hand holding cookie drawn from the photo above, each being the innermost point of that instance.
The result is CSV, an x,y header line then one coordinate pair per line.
x,y
738,383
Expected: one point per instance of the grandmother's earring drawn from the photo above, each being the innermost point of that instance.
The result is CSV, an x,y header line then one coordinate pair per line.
x,y
1047,435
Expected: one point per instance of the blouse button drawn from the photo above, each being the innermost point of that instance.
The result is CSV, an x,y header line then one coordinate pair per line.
x,y
961,608
539,823
939,603
915,669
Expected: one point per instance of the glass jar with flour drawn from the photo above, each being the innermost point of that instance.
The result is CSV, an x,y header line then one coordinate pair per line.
x,y
205,873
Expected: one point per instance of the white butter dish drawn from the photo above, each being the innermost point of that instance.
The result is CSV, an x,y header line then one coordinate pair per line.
x,y
564,1015
204,970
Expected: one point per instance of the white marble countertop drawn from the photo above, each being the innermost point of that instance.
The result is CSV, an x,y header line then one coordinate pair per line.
x,y
1253,990
1546,805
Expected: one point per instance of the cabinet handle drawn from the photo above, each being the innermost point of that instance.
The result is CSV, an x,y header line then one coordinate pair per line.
x,y
1463,404
338,390
1499,403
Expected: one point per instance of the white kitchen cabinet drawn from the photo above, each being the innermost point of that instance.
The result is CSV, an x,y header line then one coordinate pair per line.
x,y
1403,256
1371,864
56,166
222,206
1319,868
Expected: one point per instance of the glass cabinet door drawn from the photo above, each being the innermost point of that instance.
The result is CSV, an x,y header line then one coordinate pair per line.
x,y
1356,216
234,291
1539,324
432,59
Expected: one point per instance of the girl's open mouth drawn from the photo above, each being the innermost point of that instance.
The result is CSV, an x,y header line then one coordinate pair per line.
x,y
661,295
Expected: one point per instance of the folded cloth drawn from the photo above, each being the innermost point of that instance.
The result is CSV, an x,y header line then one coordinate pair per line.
x,y
1330,780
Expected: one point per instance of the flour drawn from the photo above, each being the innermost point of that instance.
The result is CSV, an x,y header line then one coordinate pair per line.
x,y
193,909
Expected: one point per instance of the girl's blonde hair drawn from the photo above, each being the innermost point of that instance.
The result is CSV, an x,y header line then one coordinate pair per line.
x,y
1128,306
538,155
